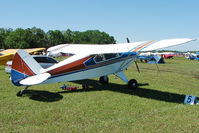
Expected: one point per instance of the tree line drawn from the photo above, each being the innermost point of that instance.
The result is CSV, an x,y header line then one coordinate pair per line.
x,y
36,37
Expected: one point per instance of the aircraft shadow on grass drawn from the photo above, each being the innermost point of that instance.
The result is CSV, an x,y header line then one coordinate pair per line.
x,y
141,92
46,96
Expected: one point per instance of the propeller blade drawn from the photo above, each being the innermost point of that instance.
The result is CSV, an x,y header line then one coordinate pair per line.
x,y
127,40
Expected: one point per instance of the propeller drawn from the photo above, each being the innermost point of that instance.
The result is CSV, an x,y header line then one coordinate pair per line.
x,y
127,40
138,69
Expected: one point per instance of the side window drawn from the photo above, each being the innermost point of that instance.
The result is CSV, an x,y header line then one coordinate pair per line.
x,y
104,57
99,58
109,56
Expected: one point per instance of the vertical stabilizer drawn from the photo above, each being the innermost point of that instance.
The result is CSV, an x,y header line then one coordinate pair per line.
x,y
23,66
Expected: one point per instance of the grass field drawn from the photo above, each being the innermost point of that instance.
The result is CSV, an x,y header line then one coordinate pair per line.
x,y
157,106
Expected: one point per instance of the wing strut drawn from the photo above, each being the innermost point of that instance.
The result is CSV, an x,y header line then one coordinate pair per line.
x,y
122,76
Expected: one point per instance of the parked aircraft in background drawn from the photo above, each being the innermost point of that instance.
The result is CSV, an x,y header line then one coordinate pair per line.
x,y
192,56
151,59
88,61
165,55
44,62
55,50
168,55
197,56
7,55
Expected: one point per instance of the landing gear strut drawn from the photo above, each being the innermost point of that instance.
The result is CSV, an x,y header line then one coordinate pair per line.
x,y
132,84
20,93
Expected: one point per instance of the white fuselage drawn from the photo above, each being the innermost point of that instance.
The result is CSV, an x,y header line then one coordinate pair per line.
x,y
92,72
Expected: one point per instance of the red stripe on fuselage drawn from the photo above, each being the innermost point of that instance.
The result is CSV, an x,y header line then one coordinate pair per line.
x,y
19,65
74,66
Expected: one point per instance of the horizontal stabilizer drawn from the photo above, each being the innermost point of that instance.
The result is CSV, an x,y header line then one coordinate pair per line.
x,y
36,79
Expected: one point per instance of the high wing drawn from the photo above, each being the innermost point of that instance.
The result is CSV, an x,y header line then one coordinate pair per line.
x,y
7,54
9,51
13,51
117,48
5,58
93,48
32,50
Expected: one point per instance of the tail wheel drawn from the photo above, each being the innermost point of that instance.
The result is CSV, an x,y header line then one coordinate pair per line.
x,y
19,94
104,80
132,84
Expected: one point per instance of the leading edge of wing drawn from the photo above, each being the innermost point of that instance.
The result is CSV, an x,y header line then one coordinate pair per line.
x,y
89,49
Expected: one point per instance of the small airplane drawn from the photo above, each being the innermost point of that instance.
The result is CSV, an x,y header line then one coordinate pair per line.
x,y
54,51
197,56
151,59
192,56
168,55
7,55
88,61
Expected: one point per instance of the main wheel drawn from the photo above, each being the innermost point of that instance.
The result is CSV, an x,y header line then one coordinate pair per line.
x,y
85,87
132,84
104,80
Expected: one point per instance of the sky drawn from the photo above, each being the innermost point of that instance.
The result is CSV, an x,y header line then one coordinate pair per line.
x,y
139,20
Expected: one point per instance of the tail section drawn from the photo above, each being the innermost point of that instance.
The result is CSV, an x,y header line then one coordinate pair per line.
x,y
23,66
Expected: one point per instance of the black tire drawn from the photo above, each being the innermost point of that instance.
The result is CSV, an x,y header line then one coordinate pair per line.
x,y
132,84
85,87
104,80
19,94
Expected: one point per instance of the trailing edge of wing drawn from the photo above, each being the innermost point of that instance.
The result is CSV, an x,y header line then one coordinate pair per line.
x,y
36,79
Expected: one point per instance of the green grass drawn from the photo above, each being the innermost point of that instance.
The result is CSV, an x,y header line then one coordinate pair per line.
x,y
157,106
